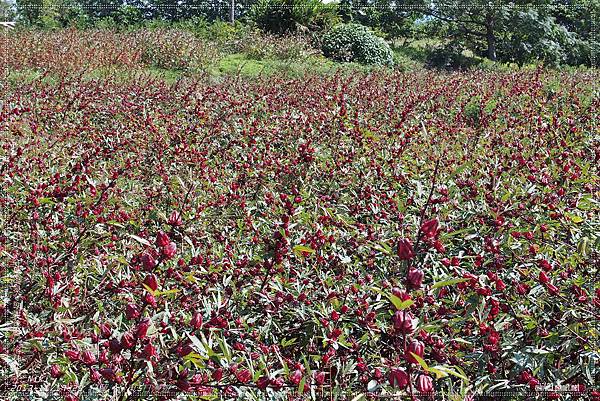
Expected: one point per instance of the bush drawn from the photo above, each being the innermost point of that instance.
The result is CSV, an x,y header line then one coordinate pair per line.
x,y
259,46
449,57
176,50
355,42
284,16
402,62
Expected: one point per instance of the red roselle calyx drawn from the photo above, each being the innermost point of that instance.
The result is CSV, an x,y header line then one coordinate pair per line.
x,y
151,281
127,341
398,378
162,239
196,321
414,347
430,228
405,249
415,278
175,219
169,250
425,384
148,261
55,371
404,322
142,328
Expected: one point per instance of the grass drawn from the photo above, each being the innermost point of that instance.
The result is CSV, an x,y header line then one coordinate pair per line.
x,y
243,65
238,64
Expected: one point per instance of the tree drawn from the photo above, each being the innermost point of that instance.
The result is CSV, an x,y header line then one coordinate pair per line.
x,y
282,16
394,18
516,32
7,11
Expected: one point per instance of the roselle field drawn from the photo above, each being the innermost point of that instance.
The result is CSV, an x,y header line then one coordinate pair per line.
x,y
325,235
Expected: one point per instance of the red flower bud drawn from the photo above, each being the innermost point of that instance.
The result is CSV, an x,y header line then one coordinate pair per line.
x,y
404,322
430,228
415,278
533,383
95,375
88,358
552,289
263,382
277,383
243,375
183,385
55,371
319,378
132,312
148,261
196,321
110,375
398,378
71,397
151,281
217,375
415,347
169,250
524,377
72,354
175,219
142,328
149,351
150,299
127,341
425,384
296,377
105,330
114,345
405,249
162,239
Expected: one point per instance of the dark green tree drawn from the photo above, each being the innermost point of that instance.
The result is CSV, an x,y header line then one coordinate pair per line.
x,y
519,32
394,18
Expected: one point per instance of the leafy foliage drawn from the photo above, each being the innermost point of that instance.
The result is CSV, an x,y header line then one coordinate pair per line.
x,y
355,42
284,16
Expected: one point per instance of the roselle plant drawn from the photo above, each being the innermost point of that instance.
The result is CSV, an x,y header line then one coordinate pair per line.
x,y
298,238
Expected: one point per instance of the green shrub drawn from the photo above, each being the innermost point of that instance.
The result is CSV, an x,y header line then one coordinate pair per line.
x,y
404,63
284,16
449,57
355,42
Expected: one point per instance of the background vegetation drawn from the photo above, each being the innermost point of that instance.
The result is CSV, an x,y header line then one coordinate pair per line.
x,y
425,33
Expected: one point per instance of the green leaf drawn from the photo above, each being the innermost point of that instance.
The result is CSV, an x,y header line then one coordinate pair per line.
x,y
449,282
576,219
150,290
460,374
195,359
444,370
301,249
167,292
582,247
287,343
439,373
383,247
398,303
301,385
506,197
421,361
140,240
